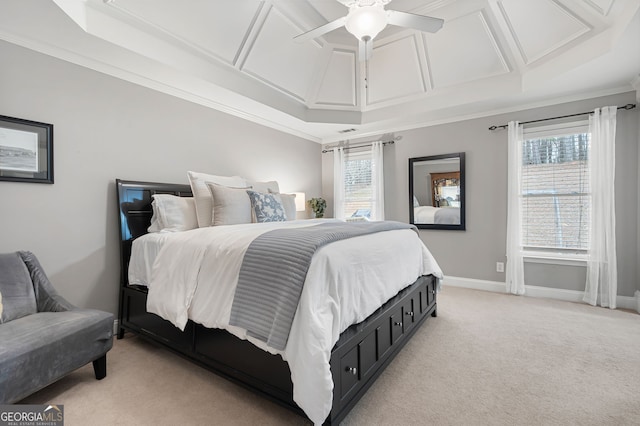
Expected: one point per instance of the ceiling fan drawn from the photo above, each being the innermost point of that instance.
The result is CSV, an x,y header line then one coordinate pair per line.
x,y
365,20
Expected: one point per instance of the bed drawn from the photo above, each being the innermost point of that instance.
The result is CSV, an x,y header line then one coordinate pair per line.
x,y
360,353
436,215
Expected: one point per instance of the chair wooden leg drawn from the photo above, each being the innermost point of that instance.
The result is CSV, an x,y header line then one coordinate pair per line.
x,y
100,367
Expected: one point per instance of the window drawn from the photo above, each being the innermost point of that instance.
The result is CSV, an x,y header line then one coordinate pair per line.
x,y
556,196
358,190
358,184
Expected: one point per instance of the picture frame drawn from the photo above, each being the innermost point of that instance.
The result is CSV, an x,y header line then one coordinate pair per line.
x,y
26,150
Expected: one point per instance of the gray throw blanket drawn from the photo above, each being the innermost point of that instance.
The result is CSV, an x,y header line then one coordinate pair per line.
x,y
447,216
273,272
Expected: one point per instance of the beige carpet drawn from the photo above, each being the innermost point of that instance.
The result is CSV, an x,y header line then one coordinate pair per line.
x,y
487,359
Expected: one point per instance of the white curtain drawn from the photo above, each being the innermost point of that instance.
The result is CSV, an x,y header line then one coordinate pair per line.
x,y
377,180
515,263
338,183
602,273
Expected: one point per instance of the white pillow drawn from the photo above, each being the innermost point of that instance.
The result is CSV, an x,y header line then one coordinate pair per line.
x,y
270,186
230,205
415,202
0,305
288,204
172,213
203,197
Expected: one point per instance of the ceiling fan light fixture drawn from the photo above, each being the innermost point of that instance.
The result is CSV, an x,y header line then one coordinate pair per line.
x,y
365,22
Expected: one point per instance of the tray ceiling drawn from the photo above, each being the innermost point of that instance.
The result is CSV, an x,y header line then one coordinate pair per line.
x,y
239,56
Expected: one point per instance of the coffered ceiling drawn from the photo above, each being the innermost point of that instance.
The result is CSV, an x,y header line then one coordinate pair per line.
x,y
239,56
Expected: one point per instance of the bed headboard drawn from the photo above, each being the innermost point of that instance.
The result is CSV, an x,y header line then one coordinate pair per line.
x,y
134,212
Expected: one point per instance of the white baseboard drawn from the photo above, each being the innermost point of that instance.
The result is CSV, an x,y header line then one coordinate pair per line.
x,y
624,302
115,326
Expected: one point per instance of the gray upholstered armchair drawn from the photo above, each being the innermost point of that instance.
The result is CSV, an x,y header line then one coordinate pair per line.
x,y
43,337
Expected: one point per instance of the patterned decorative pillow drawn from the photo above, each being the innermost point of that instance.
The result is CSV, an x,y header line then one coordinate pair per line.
x,y
267,207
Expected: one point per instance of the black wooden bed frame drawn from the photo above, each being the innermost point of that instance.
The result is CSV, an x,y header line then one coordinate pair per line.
x,y
358,358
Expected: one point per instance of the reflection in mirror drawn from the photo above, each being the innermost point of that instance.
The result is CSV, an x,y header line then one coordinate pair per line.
x,y
436,191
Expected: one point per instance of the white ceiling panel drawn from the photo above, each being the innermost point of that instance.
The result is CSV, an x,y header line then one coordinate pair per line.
x,y
541,27
279,61
602,6
338,87
329,9
464,50
395,71
202,24
239,56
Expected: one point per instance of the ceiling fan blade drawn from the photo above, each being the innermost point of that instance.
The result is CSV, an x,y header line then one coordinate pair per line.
x,y
321,30
417,22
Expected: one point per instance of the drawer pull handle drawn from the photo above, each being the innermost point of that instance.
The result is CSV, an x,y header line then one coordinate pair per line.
x,y
409,313
399,324
352,370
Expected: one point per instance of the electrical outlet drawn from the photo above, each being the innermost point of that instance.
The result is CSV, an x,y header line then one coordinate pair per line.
x,y
499,266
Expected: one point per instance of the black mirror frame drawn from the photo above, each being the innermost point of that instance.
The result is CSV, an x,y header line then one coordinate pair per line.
x,y
461,226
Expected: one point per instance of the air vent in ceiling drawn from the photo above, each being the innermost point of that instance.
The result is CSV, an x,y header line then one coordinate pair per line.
x,y
346,131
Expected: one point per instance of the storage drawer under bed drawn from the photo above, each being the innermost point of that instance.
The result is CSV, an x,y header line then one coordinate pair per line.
x,y
359,358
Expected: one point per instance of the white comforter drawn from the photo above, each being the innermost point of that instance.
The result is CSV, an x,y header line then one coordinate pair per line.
x,y
434,215
195,273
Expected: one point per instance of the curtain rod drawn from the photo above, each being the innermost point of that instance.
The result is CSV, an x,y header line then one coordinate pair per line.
x,y
504,126
391,142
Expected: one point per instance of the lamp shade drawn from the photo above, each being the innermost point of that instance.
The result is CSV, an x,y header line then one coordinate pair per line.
x,y
366,21
300,201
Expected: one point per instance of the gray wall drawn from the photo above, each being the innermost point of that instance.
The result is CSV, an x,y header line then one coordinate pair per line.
x,y
104,129
473,253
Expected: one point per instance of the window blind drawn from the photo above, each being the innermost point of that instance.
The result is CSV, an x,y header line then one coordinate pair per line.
x,y
556,197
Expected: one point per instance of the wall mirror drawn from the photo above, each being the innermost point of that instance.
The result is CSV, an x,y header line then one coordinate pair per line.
x,y
436,191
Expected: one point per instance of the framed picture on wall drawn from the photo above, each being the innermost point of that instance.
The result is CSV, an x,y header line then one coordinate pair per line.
x,y
26,150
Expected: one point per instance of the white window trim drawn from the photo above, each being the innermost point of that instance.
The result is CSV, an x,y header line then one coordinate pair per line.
x,y
570,259
354,155
556,129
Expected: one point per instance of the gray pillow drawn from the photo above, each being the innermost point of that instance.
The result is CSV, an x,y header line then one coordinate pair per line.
x,y
267,207
18,297
202,195
231,206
